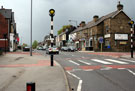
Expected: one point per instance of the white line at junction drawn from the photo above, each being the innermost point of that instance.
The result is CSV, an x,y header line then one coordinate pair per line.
x,y
80,81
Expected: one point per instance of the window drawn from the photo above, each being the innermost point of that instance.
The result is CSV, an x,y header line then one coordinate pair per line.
x,y
106,29
107,43
87,43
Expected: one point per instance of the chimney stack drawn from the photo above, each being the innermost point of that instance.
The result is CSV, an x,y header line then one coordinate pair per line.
x,y
119,6
95,18
82,24
2,7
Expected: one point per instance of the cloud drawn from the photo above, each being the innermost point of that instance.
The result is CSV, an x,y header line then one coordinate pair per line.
x,y
80,10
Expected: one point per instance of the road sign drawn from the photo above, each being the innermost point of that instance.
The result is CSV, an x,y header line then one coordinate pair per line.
x,y
100,39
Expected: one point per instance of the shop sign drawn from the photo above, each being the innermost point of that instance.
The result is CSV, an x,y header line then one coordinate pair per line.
x,y
107,36
82,39
77,42
123,43
121,36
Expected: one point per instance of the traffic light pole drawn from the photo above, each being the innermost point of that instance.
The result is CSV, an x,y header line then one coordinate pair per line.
x,y
132,41
51,37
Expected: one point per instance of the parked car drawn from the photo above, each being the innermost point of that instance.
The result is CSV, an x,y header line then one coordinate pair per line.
x,y
53,50
26,48
40,48
72,48
64,48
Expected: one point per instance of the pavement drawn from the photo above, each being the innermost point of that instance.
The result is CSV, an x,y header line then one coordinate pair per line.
x,y
112,54
19,68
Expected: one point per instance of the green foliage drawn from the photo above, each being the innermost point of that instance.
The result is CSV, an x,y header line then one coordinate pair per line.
x,y
63,29
35,44
24,45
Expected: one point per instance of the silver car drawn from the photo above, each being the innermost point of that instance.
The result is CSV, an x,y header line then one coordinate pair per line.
x,y
52,50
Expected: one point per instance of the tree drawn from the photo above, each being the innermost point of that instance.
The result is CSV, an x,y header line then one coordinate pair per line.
x,y
63,29
35,44
24,45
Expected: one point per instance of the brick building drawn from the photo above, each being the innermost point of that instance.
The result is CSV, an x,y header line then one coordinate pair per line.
x,y
112,29
8,34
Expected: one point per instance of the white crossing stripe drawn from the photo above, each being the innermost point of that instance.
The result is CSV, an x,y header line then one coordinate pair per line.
x,y
84,62
116,61
127,60
73,62
101,61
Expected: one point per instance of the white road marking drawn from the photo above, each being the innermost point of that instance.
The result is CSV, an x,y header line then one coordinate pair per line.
x,y
84,62
80,81
131,72
127,60
89,70
73,62
76,70
73,75
100,61
107,68
79,85
121,68
116,61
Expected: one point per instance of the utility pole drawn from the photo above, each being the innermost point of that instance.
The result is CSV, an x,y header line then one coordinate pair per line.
x,y
131,23
31,32
51,13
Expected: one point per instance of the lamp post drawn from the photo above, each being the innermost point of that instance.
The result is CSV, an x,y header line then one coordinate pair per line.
x,y
73,21
31,32
51,13
131,23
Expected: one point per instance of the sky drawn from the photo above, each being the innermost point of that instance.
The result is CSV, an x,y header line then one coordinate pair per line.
x,y
65,10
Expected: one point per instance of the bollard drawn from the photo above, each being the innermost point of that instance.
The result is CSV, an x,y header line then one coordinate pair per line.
x,y
30,86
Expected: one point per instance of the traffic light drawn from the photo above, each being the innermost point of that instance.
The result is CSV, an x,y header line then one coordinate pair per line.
x,y
131,23
51,12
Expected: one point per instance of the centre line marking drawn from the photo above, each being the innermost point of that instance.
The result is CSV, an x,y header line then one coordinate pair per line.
x,y
84,62
73,62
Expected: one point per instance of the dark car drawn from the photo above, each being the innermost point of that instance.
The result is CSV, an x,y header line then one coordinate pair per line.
x,y
26,48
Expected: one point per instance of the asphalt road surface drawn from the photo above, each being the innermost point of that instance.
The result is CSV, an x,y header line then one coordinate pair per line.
x,y
87,72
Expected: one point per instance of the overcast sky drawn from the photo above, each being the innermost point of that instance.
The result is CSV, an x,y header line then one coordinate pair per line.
x,y
65,10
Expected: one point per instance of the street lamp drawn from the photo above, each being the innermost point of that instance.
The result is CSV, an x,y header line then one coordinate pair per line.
x,y
31,32
73,21
51,13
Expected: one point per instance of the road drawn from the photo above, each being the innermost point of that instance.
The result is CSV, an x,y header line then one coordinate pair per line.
x,y
87,72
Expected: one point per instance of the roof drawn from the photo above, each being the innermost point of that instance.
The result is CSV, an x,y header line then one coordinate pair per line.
x,y
7,13
101,19
77,29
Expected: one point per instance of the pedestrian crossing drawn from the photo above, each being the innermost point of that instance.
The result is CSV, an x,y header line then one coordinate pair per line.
x,y
101,61
116,61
